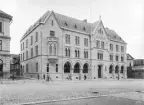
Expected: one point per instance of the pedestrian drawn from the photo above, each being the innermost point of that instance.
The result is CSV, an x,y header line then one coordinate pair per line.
x,y
44,76
85,77
38,76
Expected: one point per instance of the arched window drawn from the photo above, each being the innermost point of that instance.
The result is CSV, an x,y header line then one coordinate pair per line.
x,y
77,68
75,53
50,49
65,51
54,49
69,52
122,69
78,54
85,68
116,69
67,67
110,68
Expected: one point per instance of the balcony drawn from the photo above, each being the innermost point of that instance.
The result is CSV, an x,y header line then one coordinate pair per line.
x,y
52,57
52,39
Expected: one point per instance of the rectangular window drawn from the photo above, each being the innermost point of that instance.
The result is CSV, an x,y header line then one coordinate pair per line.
x,y
117,48
0,44
102,45
100,56
67,39
122,58
23,45
23,56
111,47
47,67
56,67
77,40
0,27
36,37
85,54
85,42
52,34
122,48
31,52
27,69
111,57
36,50
37,67
27,43
31,40
117,58
98,44
26,54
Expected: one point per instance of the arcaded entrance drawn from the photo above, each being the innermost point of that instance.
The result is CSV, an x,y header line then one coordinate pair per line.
x,y
99,71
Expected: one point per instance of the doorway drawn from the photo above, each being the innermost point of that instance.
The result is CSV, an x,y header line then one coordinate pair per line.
x,y
99,71
1,68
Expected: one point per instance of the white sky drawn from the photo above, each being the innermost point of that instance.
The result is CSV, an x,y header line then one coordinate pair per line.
x,y
126,17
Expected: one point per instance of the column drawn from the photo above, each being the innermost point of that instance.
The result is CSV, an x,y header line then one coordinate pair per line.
x,y
125,73
113,72
80,77
119,77
71,73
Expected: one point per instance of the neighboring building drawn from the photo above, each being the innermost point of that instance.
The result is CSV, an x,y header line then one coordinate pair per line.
x,y
5,21
130,61
62,46
138,68
15,65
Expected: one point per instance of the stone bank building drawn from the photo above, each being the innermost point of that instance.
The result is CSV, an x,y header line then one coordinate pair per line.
x,y
5,21
60,46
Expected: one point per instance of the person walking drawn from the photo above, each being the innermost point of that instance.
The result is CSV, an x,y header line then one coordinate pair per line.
x,y
85,77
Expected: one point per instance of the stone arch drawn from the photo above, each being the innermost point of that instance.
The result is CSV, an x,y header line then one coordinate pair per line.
x,y
77,67
111,68
116,69
85,68
122,69
67,67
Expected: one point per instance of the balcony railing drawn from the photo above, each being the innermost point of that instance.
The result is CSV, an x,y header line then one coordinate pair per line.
x,y
52,39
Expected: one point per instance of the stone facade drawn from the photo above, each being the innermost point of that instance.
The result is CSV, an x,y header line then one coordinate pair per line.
x,y
66,48
5,21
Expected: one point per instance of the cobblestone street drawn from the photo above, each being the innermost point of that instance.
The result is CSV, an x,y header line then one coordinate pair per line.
x,y
34,91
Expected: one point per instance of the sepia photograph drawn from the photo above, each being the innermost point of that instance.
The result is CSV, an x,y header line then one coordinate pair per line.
x,y
71,52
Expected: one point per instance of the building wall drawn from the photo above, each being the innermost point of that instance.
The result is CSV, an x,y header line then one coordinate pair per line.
x,y
5,52
60,58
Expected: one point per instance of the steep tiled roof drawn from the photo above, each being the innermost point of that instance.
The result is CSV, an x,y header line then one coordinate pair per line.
x,y
75,25
5,15
113,35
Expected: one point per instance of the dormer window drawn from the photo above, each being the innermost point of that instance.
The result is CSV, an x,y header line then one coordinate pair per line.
x,y
66,24
75,26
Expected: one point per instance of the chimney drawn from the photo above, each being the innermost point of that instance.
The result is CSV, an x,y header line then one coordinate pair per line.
x,y
85,20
